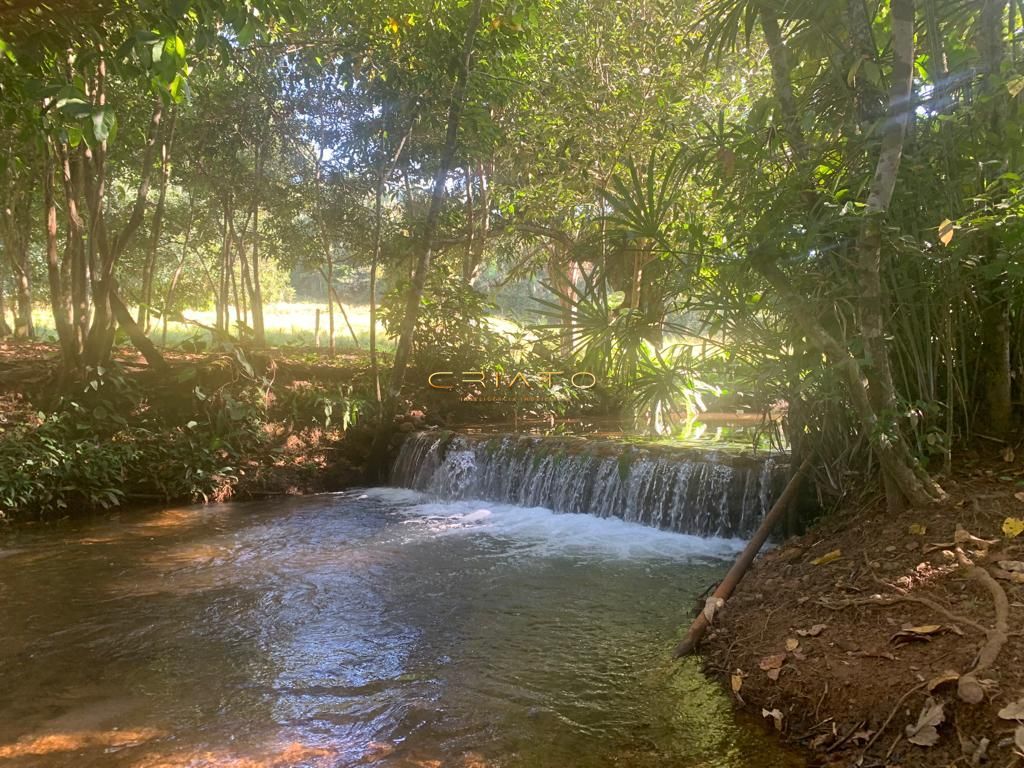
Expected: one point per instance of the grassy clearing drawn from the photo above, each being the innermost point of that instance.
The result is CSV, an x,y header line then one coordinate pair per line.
x,y
286,323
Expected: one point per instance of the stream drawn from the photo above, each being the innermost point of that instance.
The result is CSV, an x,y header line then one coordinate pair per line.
x,y
373,627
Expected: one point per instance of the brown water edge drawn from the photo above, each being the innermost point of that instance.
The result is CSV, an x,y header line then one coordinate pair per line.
x,y
338,630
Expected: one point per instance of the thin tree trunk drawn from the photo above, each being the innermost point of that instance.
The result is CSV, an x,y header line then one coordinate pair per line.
x,y
23,290
386,168
329,277
138,337
172,286
149,268
893,454
15,234
58,297
223,318
258,328
995,308
106,314
869,247
344,316
779,57
421,269
5,329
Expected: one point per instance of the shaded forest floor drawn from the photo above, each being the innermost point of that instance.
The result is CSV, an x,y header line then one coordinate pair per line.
x,y
852,639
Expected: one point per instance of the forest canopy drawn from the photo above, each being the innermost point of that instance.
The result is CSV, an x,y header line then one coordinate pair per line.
x,y
814,203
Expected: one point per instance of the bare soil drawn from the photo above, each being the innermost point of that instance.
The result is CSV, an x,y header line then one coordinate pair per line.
x,y
844,637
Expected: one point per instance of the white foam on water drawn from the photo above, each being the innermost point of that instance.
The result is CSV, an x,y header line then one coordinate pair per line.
x,y
548,533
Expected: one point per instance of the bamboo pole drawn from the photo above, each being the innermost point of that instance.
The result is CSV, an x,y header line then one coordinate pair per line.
x,y
741,566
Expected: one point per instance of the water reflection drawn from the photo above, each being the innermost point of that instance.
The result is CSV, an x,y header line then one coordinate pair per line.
x,y
360,629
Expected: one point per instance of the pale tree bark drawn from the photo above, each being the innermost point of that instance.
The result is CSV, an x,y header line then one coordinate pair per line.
x,y
5,329
258,328
778,55
145,309
59,299
173,285
870,388
15,235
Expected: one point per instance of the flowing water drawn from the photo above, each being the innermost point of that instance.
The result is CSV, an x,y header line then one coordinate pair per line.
x,y
370,628
707,493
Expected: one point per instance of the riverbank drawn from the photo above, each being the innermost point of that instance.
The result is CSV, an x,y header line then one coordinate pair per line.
x,y
856,640
230,424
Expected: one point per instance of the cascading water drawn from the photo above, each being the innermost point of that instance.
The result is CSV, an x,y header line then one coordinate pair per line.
x,y
700,493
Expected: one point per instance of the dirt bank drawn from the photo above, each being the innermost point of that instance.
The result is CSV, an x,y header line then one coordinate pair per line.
x,y
857,638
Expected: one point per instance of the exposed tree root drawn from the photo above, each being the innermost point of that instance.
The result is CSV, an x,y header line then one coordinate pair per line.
x,y
970,688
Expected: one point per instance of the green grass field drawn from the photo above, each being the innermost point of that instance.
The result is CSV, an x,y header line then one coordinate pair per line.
x,y
287,324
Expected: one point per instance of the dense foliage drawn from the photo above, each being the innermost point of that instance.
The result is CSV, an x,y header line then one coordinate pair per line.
x,y
813,204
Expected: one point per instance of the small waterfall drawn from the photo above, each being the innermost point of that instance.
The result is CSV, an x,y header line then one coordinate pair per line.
x,y
688,491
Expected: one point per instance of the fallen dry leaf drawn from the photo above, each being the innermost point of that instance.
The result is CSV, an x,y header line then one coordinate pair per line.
x,y
737,682
792,644
775,715
828,557
711,606
916,529
775,661
949,676
946,232
925,732
1014,711
1019,495
1018,738
1013,527
1016,578
814,631
773,674
923,632
1017,566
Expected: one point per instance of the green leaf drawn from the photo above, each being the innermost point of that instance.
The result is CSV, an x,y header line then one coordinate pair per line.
x,y
104,123
247,33
5,49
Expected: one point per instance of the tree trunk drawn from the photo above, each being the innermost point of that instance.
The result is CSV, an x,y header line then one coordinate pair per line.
x,y
995,367
58,296
869,248
172,286
258,328
15,234
386,169
134,330
425,243
223,320
429,233
5,329
145,309
23,290
995,309
329,279
106,304
779,57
